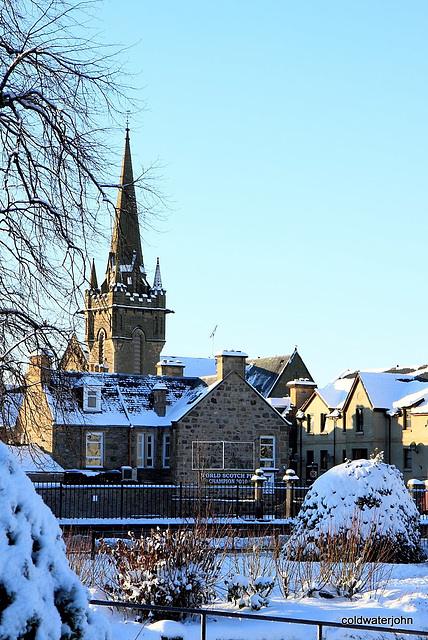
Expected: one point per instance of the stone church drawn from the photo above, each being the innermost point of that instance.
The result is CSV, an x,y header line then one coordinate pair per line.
x,y
125,316
116,403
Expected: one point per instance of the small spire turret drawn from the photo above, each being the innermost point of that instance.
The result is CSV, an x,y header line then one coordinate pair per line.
x,y
157,282
93,282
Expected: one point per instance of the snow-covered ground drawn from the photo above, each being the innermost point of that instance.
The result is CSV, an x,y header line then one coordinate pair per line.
x,y
40,596
405,598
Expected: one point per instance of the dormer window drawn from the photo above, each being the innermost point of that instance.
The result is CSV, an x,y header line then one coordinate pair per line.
x,y
92,399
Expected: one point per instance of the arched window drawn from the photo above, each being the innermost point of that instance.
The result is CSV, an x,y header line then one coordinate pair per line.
x,y
101,340
138,344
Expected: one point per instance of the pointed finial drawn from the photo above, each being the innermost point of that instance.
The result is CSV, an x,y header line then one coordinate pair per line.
x,y
127,120
157,282
93,281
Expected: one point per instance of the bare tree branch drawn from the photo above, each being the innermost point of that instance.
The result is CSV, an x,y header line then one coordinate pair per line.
x,y
55,88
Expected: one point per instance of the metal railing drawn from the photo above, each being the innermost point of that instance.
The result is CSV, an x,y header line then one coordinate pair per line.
x,y
149,501
205,613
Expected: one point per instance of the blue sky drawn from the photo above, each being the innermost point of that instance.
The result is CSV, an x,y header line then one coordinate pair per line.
x,y
293,140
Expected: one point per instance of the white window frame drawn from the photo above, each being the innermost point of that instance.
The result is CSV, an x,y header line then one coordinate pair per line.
x,y
220,466
267,441
166,450
145,457
90,394
91,461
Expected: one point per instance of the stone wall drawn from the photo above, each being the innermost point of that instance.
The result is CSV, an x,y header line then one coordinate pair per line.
x,y
233,412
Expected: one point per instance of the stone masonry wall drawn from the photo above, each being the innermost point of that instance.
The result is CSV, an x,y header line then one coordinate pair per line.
x,y
234,412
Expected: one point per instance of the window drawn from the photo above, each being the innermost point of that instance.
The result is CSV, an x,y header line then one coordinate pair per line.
x,y
138,344
407,458
407,423
94,449
358,454
145,450
310,457
91,399
310,422
101,339
323,418
343,455
359,420
267,452
166,450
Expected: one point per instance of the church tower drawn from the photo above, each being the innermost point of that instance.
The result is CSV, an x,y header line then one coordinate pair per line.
x,y
125,317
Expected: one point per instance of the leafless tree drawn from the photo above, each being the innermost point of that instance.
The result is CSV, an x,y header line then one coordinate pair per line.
x,y
56,86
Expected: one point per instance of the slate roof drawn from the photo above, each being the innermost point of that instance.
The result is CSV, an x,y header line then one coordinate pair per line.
x,y
194,367
262,373
125,399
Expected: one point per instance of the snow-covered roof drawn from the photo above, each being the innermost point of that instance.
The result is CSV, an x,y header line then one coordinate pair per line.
x,y
232,353
125,399
261,373
336,392
194,367
391,390
280,404
387,389
32,459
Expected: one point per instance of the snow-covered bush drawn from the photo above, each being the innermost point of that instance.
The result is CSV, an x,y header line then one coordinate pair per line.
x,y
172,568
252,578
40,597
249,593
364,502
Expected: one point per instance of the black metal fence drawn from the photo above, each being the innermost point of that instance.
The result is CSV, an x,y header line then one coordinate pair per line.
x,y
392,624
149,501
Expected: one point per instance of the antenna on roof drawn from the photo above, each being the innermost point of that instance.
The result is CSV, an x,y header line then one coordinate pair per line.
x,y
212,338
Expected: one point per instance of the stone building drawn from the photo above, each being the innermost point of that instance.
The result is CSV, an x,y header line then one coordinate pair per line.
x,y
114,402
167,428
364,411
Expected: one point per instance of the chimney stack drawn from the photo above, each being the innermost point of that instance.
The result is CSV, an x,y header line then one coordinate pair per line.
x,y
39,369
170,368
231,360
159,398
300,391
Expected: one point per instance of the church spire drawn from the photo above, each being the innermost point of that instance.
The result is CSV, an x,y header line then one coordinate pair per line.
x,y
126,241
125,317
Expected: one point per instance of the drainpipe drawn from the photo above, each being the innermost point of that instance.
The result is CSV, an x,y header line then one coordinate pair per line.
x,y
131,426
334,440
389,439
